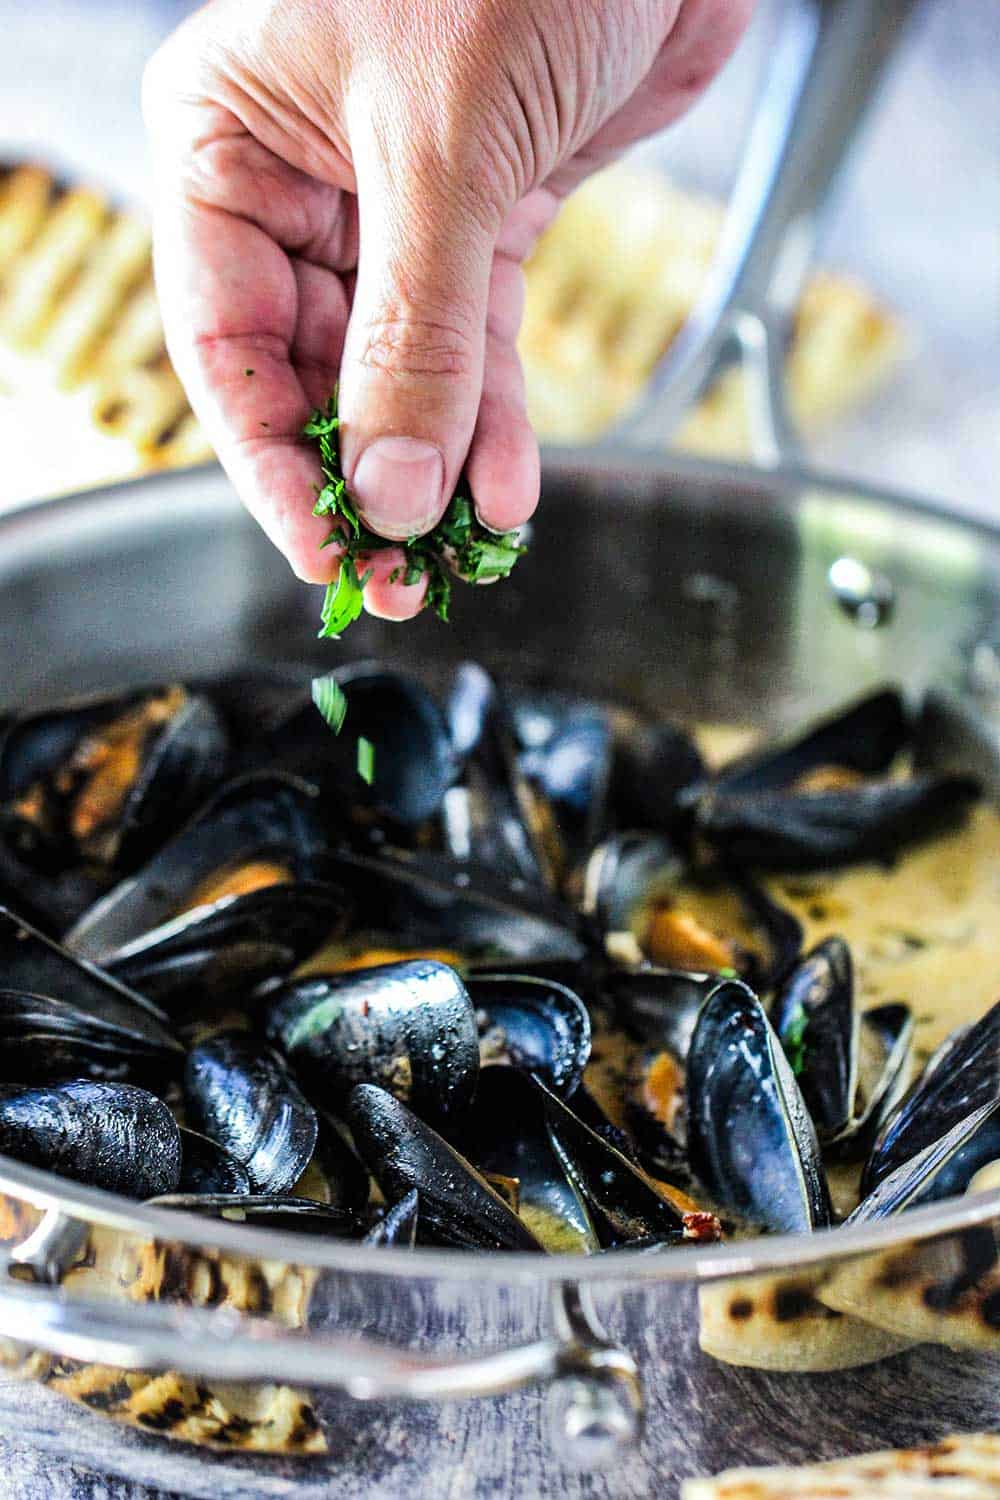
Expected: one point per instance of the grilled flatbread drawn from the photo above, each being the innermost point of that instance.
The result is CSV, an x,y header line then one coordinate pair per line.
x,y
959,1468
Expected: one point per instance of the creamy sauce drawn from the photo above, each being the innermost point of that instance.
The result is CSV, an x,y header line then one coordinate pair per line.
x,y
926,931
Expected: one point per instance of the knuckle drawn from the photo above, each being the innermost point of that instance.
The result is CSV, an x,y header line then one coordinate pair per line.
x,y
403,347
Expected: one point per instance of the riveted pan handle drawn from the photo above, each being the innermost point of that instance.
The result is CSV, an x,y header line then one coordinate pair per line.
x,y
825,69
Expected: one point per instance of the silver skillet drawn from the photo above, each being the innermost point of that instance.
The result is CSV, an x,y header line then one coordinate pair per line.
x,y
718,592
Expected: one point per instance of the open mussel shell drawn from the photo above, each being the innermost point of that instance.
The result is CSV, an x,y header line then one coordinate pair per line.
x,y
505,1134
398,1225
966,1077
653,764
240,1093
751,1142
107,779
110,1135
52,899
50,1041
814,1016
428,902
944,1169
885,1048
567,753
536,1024
457,1205
206,1168
232,946
818,829
409,1027
258,831
495,816
658,1006
414,758
864,738
623,1201
267,1211
624,875
31,962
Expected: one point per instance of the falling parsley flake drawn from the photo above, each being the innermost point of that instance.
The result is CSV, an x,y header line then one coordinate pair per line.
x,y
328,697
366,760
459,543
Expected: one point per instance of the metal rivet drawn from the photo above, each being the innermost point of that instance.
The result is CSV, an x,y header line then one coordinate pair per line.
x,y
865,595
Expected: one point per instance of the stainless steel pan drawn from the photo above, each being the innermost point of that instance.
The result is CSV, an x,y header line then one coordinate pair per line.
x,y
712,591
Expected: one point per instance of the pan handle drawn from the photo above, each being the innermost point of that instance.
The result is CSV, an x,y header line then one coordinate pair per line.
x,y
595,1399
824,72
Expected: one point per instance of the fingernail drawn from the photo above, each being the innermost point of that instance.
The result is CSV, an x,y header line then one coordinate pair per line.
x,y
398,484
485,524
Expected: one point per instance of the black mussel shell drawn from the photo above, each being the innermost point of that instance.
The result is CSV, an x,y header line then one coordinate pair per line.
x,y
345,1180
241,1094
269,822
50,1041
885,1045
31,962
653,764
505,1134
952,735
234,945
623,1202
206,1168
267,1211
398,1225
570,767
658,1006
409,1027
51,900
110,1135
414,759
944,1169
805,830
428,901
544,1026
624,875
494,816
457,1205
814,1016
752,1144
587,1108
108,779
965,1078
865,738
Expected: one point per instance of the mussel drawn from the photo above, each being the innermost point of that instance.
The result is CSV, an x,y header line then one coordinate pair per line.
x,y
206,1168
548,1200
32,963
105,781
241,1095
626,1205
409,1027
495,816
258,831
944,1169
457,1205
267,1211
50,1041
752,1144
414,762
231,947
537,1024
110,1135
965,1078
398,1225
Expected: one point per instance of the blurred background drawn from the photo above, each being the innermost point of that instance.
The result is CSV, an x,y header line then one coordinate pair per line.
x,y
895,370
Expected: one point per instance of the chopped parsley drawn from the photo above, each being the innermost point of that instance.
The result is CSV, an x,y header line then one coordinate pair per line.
x,y
366,760
793,1039
328,697
458,543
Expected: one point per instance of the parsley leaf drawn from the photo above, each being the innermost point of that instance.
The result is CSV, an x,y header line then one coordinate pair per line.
x,y
793,1038
328,697
366,759
458,544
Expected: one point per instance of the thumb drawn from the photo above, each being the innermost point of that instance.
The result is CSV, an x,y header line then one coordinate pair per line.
x,y
412,372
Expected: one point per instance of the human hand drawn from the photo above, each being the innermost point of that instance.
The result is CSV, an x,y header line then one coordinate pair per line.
x,y
346,190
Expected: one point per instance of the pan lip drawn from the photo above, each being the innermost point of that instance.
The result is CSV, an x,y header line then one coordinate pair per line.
x,y
686,1264
787,484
